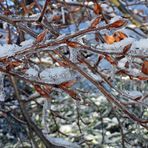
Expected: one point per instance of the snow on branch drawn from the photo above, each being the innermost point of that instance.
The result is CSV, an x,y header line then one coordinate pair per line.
x,y
8,50
140,44
56,75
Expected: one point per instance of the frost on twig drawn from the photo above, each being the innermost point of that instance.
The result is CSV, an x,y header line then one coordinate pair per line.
x,y
45,115
2,94
73,54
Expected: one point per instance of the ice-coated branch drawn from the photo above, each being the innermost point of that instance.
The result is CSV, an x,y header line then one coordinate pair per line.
x,y
2,93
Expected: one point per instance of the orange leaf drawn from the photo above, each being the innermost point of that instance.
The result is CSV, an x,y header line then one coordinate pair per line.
x,y
73,44
41,36
109,39
117,24
97,8
122,35
126,48
95,22
117,38
145,67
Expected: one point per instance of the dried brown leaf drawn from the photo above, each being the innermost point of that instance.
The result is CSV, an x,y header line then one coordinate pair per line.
x,y
126,48
41,36
145,67
73,44
109,39
97,8
95,22
68,84
122,35
117,24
